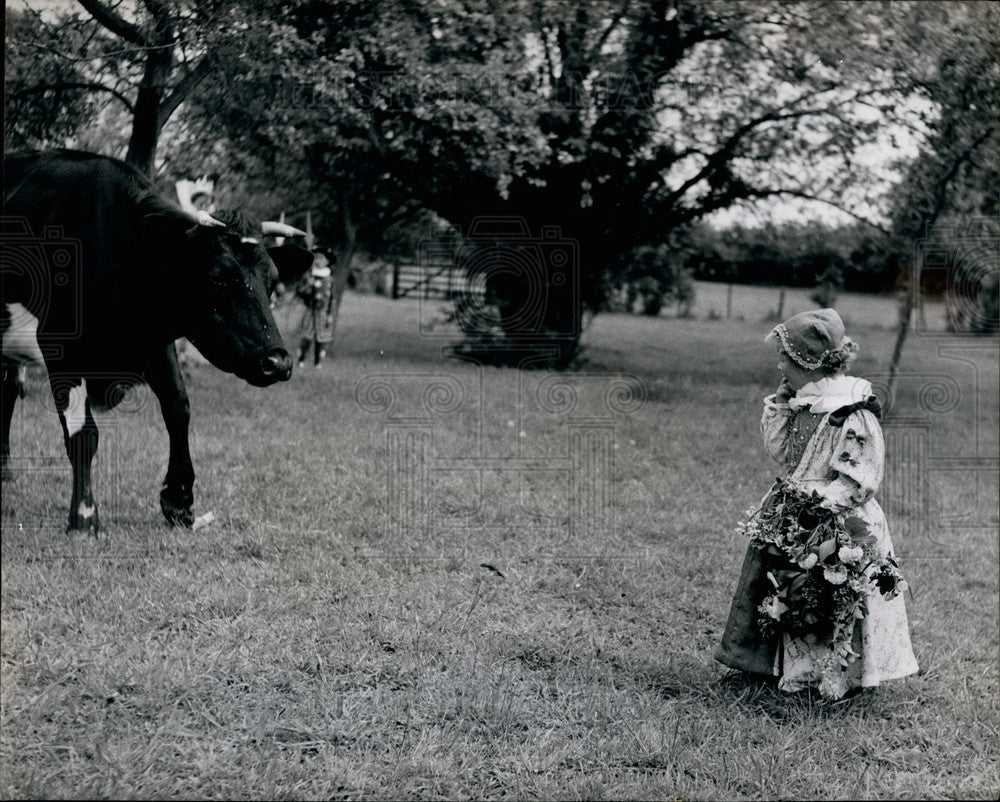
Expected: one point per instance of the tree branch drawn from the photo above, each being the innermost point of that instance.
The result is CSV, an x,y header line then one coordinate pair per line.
x,y
114,23
58,87
721,157
161,14
940,196
103,55
183,89
603,38
794,193
543,34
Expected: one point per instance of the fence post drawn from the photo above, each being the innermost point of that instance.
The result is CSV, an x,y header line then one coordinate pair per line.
x,y
395,280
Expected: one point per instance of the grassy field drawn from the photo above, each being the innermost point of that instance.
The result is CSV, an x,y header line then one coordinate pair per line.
x,y
432,580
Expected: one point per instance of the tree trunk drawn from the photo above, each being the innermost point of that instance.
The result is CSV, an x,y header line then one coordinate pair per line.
x,y
146,119
341,272
906,305
345,255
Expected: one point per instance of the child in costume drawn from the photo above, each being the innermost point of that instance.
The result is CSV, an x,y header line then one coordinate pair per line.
x,y
823,427
316,323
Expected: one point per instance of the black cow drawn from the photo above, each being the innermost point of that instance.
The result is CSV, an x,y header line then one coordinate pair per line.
x,y
101,273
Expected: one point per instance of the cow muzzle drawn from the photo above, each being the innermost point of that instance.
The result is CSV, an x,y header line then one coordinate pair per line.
x,y
275,366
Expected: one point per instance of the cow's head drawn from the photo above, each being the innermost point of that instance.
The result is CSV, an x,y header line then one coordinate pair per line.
x,y
229,276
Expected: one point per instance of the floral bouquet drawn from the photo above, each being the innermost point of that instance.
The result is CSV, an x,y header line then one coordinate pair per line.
x,y
821,567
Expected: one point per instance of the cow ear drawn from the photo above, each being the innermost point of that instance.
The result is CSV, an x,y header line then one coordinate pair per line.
x,y
291,260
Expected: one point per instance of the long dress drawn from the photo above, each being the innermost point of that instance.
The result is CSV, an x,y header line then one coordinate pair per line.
x,y
829,440
316,295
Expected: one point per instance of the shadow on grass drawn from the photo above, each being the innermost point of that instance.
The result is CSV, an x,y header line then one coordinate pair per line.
x,y
760,693
683,677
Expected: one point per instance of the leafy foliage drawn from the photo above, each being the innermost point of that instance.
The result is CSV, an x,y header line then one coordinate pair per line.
x,y
653,277
60,79
792,254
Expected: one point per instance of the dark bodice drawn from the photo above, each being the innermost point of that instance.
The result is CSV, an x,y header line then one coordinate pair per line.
x,y
801,428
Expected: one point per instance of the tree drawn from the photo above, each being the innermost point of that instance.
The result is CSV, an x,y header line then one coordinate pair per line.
x,y
51,91
955,174
149,58
615,123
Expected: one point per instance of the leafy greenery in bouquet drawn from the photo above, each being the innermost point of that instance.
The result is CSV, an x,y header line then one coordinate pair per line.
x,y
822,566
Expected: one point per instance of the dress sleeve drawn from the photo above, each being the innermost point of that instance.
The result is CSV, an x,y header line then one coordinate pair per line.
x,y
857,462
774,425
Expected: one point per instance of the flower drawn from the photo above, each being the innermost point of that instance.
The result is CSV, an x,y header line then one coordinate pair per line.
x,y
773,607
850,555
831,504
832,684
846,654
836,575
809,561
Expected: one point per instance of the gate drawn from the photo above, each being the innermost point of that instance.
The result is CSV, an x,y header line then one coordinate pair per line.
x,y
433,281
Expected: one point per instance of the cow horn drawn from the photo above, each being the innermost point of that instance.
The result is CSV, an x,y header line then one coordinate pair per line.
x,y
270,228
203,218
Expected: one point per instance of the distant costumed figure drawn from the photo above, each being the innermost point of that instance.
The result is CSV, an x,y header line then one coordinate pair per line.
x,y
818,603
315,311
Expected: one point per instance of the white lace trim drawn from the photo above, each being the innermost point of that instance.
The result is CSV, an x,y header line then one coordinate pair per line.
x,y
831,393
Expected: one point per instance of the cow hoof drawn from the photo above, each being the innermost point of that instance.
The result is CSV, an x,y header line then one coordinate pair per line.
x,y
93,533
176,502
86,526
176,516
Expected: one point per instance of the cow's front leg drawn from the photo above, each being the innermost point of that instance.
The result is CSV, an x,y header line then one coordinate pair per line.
x,y
80,437
177,494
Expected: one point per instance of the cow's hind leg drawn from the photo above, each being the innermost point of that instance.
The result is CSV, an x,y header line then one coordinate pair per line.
x,y
166,380
13,388
80,437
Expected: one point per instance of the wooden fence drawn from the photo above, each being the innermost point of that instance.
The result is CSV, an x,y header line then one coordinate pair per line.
x,y
433,281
